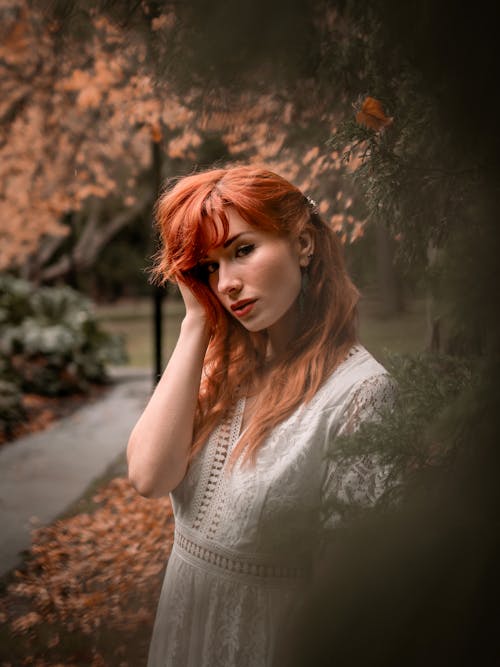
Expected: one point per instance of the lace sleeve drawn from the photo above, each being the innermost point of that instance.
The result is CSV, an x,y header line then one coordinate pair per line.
x,y
357,481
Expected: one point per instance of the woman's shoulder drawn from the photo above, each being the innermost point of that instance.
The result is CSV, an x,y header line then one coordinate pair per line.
x,y
359,373
358,367
357,390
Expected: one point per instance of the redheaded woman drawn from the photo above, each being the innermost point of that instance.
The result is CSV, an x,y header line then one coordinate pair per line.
x,y
266,373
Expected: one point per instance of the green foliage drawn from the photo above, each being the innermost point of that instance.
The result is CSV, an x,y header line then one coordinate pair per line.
x,y
50,342
427,175
411,437
11,407
412,177
415,175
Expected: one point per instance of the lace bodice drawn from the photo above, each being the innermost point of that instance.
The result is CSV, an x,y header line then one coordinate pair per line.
x,y
248,535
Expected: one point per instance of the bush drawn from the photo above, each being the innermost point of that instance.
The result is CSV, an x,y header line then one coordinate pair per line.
x,y
50,342
11,407
412,438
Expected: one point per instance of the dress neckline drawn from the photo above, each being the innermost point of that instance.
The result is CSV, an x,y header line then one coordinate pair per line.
x,y
239,411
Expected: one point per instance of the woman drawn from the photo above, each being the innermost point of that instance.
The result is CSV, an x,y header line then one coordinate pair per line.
x,y
266,373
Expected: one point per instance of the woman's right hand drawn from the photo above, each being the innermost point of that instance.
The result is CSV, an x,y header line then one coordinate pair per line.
x,y
194,309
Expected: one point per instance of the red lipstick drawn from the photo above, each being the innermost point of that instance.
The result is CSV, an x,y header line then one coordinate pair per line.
x,y
243,307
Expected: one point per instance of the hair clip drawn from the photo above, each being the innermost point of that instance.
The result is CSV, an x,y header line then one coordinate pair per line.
x,y
312,204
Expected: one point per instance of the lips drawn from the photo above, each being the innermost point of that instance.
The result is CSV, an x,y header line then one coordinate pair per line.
x,y
243,307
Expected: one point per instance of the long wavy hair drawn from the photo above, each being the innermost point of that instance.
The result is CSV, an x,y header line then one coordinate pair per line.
x,y
191,216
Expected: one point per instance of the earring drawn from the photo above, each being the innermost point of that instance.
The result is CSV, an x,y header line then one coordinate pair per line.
x,y
304,286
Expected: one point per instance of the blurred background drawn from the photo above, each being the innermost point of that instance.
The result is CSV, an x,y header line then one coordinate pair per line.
x,y
102,104
386,114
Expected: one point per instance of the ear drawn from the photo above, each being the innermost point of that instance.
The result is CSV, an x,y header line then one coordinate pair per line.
x,y
305,247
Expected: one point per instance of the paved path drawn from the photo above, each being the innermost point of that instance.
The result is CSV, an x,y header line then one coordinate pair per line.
x,y
41,474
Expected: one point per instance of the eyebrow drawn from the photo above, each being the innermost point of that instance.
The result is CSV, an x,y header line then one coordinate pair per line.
x,y
232,239
229,241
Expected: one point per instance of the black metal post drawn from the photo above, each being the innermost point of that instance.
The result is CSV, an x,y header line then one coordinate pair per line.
x,y
158,332
158,292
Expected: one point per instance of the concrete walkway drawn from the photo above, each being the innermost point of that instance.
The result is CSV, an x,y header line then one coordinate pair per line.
x,y
42,473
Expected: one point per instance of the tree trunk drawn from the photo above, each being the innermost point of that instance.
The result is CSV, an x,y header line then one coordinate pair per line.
x,y
158,292
95,235
388,282
433,318
433,342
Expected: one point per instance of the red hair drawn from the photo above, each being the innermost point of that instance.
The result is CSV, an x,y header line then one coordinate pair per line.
x,y
191,217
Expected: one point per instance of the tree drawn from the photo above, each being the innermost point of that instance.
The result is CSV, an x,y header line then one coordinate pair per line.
x,y
104,110
76,140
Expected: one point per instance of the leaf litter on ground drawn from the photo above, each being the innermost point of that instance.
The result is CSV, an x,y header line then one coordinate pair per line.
x,y
92,571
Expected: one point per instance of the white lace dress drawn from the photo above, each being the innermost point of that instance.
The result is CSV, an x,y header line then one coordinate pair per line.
x,y
245,538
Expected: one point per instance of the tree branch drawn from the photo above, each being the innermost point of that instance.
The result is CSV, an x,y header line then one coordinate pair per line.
x,y
92,241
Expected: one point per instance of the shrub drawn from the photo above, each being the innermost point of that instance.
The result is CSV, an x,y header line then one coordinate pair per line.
x,y
11,407
412,438
50,342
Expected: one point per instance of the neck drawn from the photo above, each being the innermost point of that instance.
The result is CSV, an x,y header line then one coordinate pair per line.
x,y
281,333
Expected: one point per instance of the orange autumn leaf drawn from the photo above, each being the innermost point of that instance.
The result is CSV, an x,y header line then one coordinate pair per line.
x,y
156,132
371,115
23,623
101,106
16,38
91,570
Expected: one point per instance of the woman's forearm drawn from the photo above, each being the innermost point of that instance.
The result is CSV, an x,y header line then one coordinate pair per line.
x,y
159,445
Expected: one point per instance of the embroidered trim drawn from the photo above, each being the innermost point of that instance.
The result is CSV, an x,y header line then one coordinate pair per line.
x,y
220,455
211,490
236,565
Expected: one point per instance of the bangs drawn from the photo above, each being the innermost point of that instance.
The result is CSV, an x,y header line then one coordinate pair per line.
x,y
212,231
197,227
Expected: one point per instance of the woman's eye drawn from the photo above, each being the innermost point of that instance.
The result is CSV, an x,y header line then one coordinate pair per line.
x,y
244,250
211,267
204,269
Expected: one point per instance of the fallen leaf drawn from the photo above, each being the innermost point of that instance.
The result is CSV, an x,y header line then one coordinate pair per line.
x,y
99,569
24,623
371,115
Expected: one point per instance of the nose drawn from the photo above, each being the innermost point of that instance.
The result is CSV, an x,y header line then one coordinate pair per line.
x,y
228,283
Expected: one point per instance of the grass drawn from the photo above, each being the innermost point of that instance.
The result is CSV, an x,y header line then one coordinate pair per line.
x,y
134,320
404,333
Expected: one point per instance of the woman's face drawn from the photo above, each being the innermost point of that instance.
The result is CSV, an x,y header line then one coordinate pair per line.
x,y
256,276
